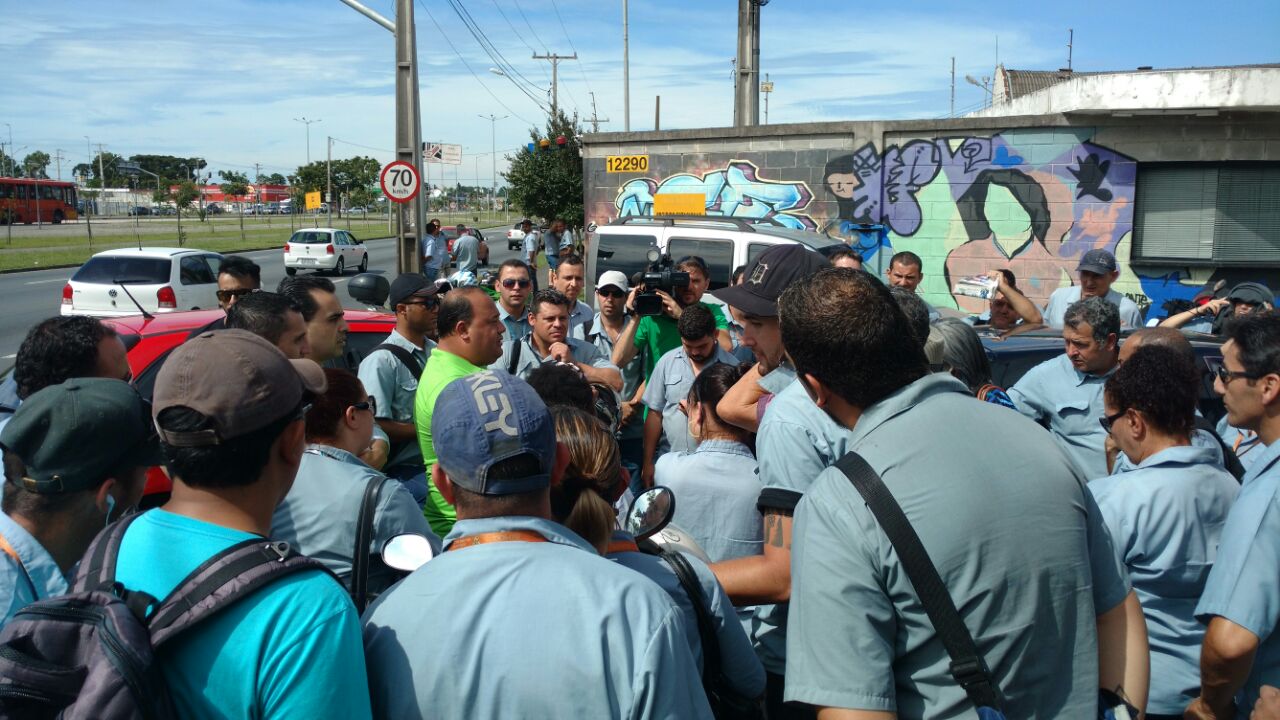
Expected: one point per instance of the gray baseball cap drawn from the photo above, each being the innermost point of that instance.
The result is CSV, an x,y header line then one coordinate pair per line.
x,y
1099,262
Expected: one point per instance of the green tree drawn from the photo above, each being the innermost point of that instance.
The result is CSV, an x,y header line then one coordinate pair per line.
x,y
36,165
107,167
273,179
547,183
182,196
234,184
170,168
8,166
348,174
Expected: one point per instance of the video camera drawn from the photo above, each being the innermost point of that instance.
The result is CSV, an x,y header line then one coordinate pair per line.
x,y
660,275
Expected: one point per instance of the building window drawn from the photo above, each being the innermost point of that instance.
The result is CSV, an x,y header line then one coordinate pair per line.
x,y
1208,213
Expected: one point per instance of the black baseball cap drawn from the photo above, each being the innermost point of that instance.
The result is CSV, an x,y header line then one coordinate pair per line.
x,y
1098,262
771,273
409,284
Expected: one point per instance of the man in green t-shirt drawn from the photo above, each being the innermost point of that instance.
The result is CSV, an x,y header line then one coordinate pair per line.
x,y
470,340
658,333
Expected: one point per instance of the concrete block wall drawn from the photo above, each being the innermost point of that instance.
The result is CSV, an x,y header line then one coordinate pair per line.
x,y
1030,194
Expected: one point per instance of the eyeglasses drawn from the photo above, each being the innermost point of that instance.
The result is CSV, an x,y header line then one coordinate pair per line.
x,y
511,282
1108,421
370,404
1227,376
611,293
227,295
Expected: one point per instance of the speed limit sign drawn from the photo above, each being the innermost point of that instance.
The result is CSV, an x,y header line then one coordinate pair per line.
x,y
399,181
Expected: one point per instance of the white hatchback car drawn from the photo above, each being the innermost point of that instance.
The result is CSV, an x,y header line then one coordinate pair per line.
x,y
131,281
324,249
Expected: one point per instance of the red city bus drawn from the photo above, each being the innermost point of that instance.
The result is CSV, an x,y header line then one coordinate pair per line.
x,y
19,204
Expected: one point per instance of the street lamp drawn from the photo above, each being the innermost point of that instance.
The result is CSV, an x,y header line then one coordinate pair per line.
x,y
10,148
308,123
493,155
985,81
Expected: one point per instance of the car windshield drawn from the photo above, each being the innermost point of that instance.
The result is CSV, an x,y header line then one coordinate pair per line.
x,y
310,236
125,270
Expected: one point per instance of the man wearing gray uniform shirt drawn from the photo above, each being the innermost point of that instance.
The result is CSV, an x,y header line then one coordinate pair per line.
x,y
548,341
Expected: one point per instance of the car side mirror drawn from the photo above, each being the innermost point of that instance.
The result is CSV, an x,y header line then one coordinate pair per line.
x,y
650,512
407,552
369,289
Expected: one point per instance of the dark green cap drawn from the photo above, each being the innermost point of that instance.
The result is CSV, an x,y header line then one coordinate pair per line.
x,y
74,435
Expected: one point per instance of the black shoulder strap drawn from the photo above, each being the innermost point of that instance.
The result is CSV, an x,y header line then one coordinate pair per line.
x,y
517,349
405,357
364,536
1230,460
706,626
98,568
224,579
968,668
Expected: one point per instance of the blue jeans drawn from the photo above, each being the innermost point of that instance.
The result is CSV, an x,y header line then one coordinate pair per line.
x,y
553,261
430,273
414,479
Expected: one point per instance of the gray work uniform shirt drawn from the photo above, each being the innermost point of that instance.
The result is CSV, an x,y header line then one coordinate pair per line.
x,y
530,358
668,385
466,253
632,374
394,387
531,630
517,325
716,487
581,320
320,513
1069,402
1062,298
1016,537
34,576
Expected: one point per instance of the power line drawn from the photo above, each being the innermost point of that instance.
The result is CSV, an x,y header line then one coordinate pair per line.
x,y
467,65
504,66
519,35
565,30
530,25
366,147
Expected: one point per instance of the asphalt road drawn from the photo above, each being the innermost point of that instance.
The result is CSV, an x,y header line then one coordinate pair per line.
x,y
29,297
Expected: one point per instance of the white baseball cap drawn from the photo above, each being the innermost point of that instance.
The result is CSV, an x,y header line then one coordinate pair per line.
x,y
614,278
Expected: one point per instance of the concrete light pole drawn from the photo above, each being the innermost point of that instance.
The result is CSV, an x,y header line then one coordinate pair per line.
x,y
493,146
626,73
555,82
308,123
11,161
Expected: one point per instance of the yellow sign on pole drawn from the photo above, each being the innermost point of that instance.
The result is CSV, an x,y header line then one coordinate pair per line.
x,y
680,204
313,200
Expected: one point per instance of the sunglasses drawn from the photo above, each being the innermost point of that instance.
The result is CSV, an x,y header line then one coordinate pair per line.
x,y
1108,421
428,304
227,295
510,283
370,404
1227,376
611,293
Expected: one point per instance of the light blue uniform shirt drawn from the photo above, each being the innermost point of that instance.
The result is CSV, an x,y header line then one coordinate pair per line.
x,y
517,325
529,360
394,387
9,400
531,242
581,320
289,650
530,630
1246,443
1015,536
1166,518
433,248
36,578
1199,438
1062,298
716,487
669,383
320,513
466,253
1244,585
796,442
1070,402
738,663
632,374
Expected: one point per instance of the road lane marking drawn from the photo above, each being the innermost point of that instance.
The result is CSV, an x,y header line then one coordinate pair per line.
x,y
42,282
9,357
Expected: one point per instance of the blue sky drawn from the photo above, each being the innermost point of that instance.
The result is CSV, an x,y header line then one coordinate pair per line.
x,y
224,80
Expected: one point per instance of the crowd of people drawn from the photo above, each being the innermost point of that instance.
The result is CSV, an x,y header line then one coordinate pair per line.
x,y
1096,535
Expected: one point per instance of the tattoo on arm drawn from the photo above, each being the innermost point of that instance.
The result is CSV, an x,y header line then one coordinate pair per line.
x,y
773,535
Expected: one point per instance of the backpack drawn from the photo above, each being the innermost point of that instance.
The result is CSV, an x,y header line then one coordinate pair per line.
x,y
92,653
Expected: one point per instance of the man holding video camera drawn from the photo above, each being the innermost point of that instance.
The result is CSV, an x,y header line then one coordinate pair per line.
x,y
655,305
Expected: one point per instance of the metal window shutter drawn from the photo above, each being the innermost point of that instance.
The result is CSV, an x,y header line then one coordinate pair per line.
x,y
1247,228
1175,212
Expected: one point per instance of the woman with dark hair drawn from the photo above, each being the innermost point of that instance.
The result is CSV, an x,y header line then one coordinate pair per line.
x,y
319,515
717,484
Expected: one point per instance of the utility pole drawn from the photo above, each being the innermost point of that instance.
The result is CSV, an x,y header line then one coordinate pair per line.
x,y
257,187
1071,39
657,112
328,171
595,119
102,175
493,156
308,123
766,87
408,123
10,153
626,73
58,157
746,95
555,91
953,86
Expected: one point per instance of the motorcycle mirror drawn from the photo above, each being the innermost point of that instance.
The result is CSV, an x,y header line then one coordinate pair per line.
x,y
407,552
650,512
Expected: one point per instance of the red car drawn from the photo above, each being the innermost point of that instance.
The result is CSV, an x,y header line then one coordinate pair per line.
x,y
149,342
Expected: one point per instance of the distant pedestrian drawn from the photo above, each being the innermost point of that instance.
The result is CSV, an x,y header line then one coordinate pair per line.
x,y
514,286
846,258
569,278
1096,272
1211,317
906,270
466,251
549,341
433,250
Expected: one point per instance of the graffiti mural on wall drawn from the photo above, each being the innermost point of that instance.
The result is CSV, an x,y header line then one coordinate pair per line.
x,y
1027,201
738,190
